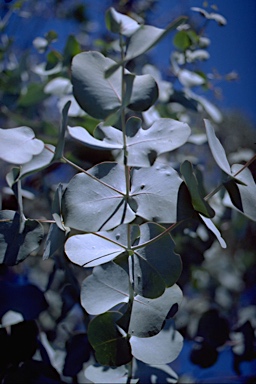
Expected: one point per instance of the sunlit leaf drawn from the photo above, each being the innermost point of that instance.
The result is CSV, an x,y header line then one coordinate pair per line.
x,y
90,205
162,348
155,190
101,97
217,149
89,250
106,287
19,145
212,227
98,374
211,15
163,136
118,23
147,36
189,78
38,162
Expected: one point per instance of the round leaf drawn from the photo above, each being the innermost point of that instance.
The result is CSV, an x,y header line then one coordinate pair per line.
x,y
162,348
148,315
18,145
155,191
106,287
90,205
90,250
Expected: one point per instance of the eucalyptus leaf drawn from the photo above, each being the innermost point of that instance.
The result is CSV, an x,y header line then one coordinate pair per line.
x,y
89,250
63,126
38,162
54,241
90,205
106,287
217,149
118,23
198,201
162,348
15,246
163,136
56,207
19,145
148,315
212,227
155,190
241,197
147,36
211,15
170,266
101,97
98,374
161,373
111,347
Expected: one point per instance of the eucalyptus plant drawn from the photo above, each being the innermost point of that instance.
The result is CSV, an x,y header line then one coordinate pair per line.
x,y
117,217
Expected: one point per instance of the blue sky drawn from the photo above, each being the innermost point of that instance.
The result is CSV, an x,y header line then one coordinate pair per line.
x,y
233,47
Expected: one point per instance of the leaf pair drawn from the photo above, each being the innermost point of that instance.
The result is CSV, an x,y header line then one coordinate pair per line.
x,y
163,136
240,185
96,200
101,97
114,348
141,37
150,277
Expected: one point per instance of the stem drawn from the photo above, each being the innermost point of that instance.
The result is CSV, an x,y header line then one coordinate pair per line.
x,y
123,90
129,376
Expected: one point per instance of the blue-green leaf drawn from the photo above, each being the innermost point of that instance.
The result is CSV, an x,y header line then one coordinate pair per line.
x,y
113,375
91,205
101,97
106,287
15,245
54,241
162,348
217,149
147,36
19,145
241,197
155,190
148,315
38,162
118,23
163,136
212,227
170,261
89,250
63,126
199,204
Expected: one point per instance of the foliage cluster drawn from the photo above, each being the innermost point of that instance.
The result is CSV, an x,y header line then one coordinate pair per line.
x,y
119,218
